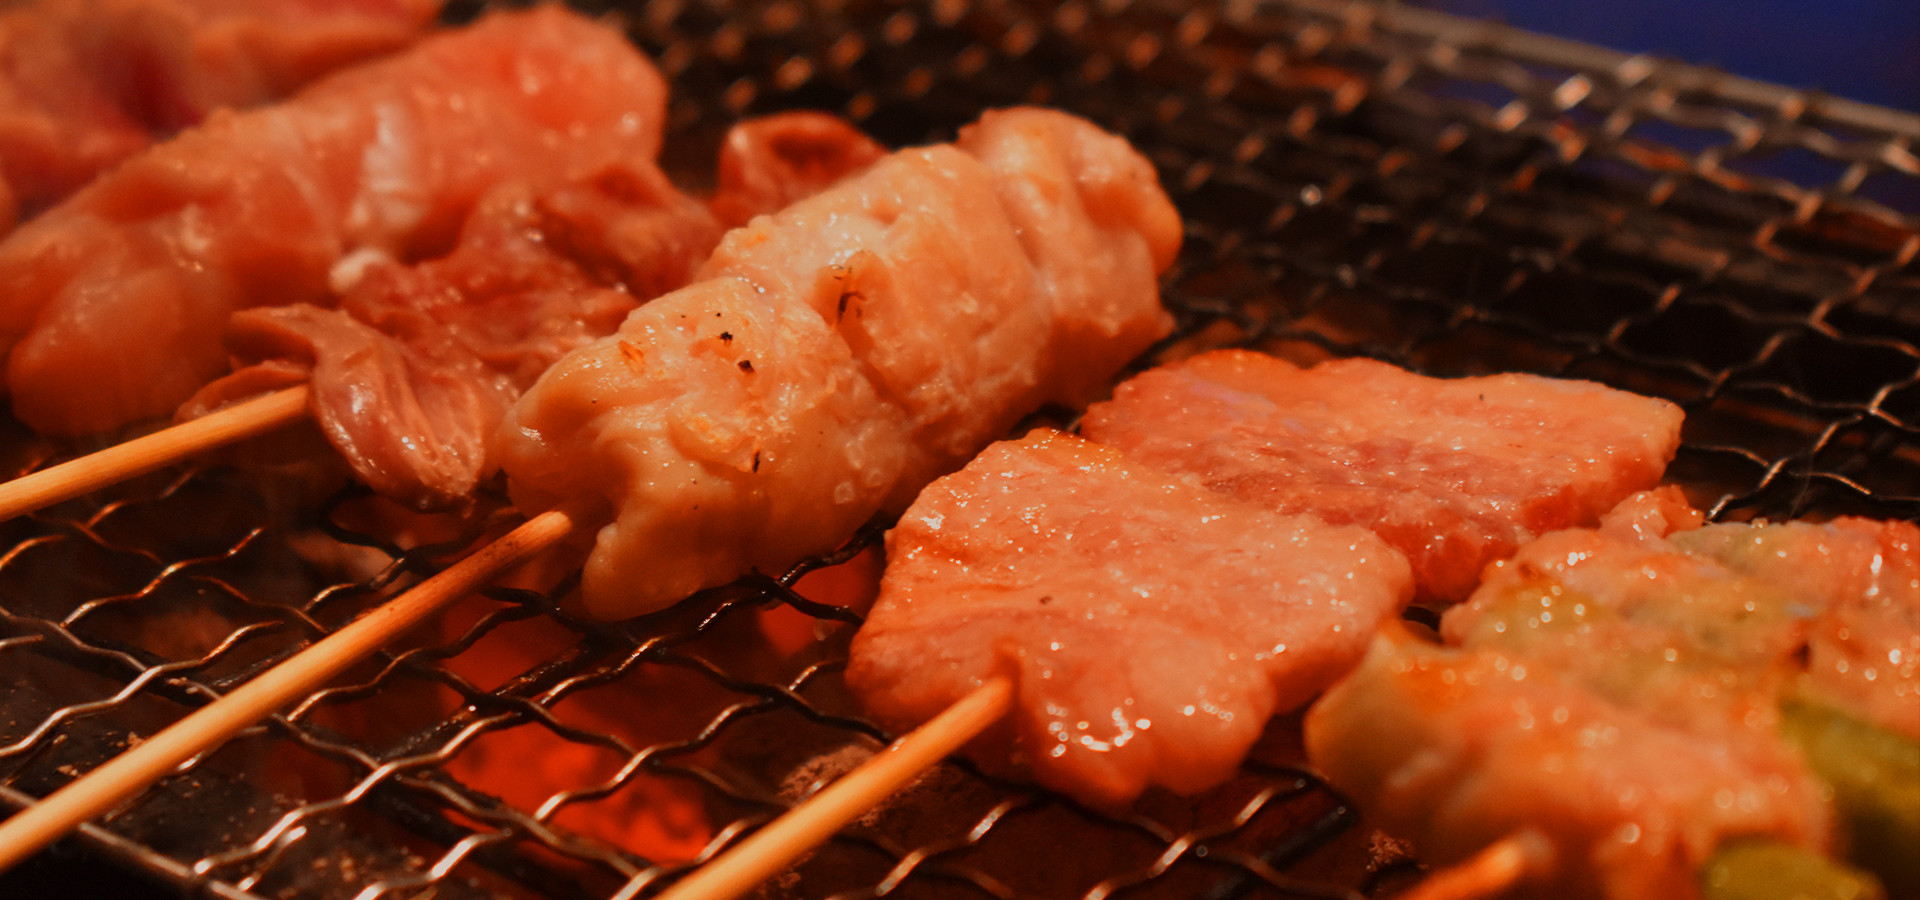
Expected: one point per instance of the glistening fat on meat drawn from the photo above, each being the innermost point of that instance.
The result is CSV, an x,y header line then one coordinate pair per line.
x,y
1456,473
87,83
831,359
1151,626
414,369
113,304
1618,691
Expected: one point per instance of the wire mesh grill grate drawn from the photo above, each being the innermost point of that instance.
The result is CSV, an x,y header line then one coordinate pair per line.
x,y
1356,179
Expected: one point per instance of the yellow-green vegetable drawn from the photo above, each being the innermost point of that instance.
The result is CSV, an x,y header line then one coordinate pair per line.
x,y
1875,776
1769,870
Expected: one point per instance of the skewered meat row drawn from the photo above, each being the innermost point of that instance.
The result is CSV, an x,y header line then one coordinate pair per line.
x,y
1151,626
1456,473
1055,563
415,367
831,359
1626,692
87,83
112,305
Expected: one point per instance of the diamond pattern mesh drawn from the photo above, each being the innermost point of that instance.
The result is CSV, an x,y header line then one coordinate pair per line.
x,y
1453,197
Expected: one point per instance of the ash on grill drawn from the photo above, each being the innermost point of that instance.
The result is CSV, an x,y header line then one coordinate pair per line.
x,y
1451,197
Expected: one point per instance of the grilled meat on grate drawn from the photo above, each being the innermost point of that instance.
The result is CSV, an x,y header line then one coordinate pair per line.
x,y
1452,197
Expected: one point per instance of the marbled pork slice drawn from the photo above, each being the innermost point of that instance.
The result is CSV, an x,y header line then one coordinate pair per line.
x,y
1456,473
1151,626
113,304
87,83
902,325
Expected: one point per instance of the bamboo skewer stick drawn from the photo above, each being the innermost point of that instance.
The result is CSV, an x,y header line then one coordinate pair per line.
x,y
804,827
132,771
1494,871
149,452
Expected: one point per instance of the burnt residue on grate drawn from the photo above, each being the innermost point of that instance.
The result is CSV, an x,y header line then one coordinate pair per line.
x,y
1454,197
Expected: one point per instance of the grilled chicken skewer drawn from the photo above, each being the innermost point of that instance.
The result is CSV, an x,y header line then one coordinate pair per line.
x,y
113,304
87,84
1020,584
411,364
1051,174
1665,704
830,360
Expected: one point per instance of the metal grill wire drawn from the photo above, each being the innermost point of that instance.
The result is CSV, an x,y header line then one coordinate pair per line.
x,y
1357,180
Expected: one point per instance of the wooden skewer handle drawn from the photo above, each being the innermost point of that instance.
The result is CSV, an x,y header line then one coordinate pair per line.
x,y
804,827
143,454
131,772
1491,873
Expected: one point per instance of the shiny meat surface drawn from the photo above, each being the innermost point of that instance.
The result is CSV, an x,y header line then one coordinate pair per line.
x,y
113,303
1151,626
1644,663
1457,748
1640,617
87,83
1455,473
831,359
1863,577
414,370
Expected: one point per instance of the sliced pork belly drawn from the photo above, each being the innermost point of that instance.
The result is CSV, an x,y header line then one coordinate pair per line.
x,y
1619,690
87,83
1455,473
831,359
113,304
1151,626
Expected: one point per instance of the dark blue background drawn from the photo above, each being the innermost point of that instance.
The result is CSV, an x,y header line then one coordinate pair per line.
x,y
1866,50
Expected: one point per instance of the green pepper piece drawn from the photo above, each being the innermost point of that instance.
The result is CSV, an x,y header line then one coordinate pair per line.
x,y
1875,776
1771,870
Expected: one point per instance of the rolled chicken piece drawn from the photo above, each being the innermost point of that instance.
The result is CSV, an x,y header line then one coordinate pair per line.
x,y
830,360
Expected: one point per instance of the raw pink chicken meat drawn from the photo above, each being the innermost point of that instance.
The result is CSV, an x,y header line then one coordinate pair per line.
x,y
113,304
1456,473
87,83
1151,626
831,359
1616,692
414,370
